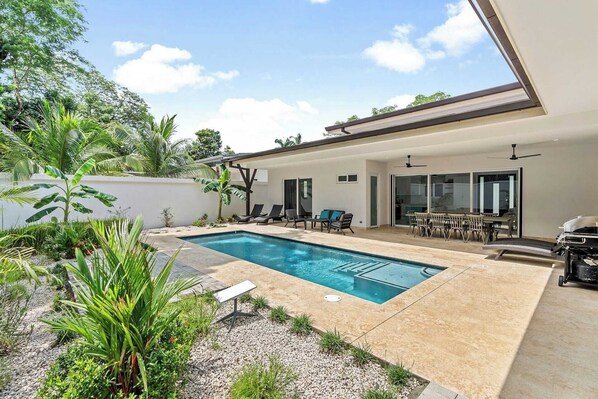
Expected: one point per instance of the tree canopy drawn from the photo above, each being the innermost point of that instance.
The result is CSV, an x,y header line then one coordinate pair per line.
x,y
207,143
289,141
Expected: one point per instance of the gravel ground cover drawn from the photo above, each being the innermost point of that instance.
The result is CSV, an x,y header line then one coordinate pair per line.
x,y
216,361
28,365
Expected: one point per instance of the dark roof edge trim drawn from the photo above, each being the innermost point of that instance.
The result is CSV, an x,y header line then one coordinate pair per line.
x,y
490,20
439,103
499,109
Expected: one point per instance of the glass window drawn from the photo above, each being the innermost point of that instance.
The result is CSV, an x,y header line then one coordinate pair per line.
x,y
411,195
496,192
305,196
290,194
450,193
352,178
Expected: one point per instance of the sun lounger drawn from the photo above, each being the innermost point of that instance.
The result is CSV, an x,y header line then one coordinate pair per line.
x,y
273,215
291,216
255,212
233,293
523,246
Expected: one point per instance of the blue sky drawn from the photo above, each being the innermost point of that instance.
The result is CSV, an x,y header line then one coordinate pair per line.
x,y
258,70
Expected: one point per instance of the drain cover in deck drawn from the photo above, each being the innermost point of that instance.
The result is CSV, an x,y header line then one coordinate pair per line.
x,y
332,298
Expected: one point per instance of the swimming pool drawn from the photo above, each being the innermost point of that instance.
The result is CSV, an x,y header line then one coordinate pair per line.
x,y
373,278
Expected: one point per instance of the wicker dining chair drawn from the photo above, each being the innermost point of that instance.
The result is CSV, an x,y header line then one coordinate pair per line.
x,y
423,227
438,223
456,224
476,226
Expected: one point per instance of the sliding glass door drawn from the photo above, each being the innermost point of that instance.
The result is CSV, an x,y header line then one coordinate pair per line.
x,y
450,192
496,192
290,194
305,195
411,195
297,194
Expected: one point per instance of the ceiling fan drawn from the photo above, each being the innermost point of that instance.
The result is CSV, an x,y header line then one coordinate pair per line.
x,y
408,164
514,156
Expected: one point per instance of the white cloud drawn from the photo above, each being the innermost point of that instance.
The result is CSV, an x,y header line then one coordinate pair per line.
x,y
401,101
248,124
122,48
459,32
159,70
319,1
397,54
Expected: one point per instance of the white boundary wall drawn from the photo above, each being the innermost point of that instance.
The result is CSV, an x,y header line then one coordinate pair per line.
x,y
143,195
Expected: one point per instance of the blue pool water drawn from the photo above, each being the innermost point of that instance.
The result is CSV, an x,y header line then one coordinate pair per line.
x,y
374,278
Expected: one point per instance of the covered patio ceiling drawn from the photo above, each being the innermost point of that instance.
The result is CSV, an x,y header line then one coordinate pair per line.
x,y
528,128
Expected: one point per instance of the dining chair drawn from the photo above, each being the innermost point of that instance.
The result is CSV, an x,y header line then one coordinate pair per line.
x,y
456,224
423,227
476,226
438,223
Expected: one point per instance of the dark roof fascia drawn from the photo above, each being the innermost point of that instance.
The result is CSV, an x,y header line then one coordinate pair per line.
x,y
435,104
489,18
499,109
221,159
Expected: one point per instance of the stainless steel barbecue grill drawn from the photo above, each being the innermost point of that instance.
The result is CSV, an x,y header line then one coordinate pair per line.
x,y
578,244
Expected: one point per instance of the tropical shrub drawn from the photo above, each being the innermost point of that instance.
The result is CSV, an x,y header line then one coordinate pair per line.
x,y
76,374
122,308
67,195
332,342
301,325
225,190
398,375
166,216
263,381
202,221
279,314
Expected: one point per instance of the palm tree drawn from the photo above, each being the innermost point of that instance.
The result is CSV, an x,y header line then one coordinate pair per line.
x,y
60,139
153,152
289,141
221,185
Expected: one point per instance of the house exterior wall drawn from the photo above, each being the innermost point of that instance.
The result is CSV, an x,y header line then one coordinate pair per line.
x,y
145,196
327,193
557,186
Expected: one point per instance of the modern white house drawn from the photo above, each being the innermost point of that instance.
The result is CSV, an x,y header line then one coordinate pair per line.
x,y
465,142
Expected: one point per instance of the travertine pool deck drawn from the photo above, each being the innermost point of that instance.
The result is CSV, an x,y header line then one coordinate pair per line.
x,y
479,327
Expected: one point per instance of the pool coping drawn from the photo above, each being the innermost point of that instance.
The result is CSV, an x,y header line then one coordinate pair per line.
x,y
378,324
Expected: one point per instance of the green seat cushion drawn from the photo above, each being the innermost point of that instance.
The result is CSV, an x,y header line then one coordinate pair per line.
x,y
336,215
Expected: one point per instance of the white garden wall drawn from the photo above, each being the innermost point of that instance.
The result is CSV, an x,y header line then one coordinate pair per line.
x,y
143,196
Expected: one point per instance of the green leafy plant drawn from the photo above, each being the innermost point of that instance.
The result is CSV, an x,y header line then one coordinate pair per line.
x,y
259,302
301,325
122,304
362,354
279,314
67,195
245,298
332,342
263,381
398,375
378,393
223,188
4,373
76,374
14,301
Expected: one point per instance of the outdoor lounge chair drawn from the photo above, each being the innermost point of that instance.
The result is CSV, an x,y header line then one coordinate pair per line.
x,y
291,216
255,212
273,215
523,246
343,223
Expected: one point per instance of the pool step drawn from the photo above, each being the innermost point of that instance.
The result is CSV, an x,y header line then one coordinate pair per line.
x,y
359,267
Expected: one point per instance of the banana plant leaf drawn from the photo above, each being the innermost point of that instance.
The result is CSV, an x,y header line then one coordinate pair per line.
x,y
81,208
55,173
41,214
45,200
82,171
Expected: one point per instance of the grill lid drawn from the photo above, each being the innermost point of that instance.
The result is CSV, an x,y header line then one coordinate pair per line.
x,y
582,225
